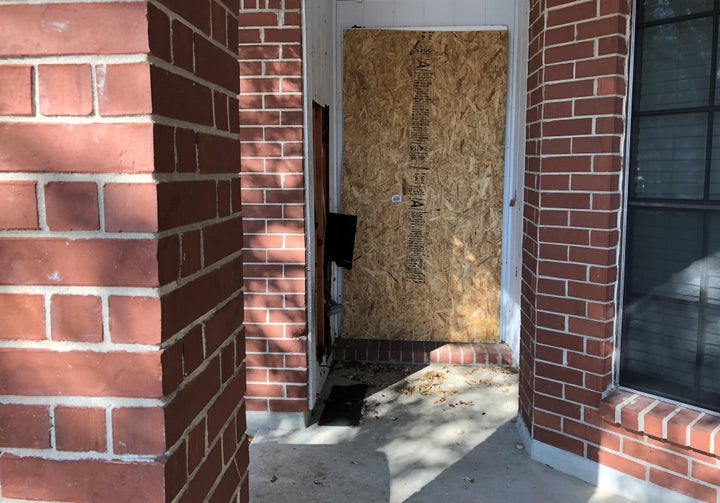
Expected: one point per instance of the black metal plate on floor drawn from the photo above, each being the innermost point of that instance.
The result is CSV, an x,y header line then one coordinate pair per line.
x,y
344,406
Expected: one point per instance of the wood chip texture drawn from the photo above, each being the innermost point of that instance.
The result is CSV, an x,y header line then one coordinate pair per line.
x,y
423,149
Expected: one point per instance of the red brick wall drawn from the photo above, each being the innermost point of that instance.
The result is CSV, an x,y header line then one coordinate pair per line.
x,y
120,253
271,132
577,91
195,86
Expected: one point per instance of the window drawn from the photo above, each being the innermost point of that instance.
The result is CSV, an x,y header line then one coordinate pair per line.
x,y
671,304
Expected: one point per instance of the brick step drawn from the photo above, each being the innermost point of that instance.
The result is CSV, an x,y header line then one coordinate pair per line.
x,y
422,352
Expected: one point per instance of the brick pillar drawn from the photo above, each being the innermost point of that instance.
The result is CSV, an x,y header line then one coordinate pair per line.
x,y
271,133
121,352
575,130
573,202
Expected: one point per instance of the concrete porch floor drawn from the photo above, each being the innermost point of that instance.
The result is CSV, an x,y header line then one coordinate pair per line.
x,y
428,434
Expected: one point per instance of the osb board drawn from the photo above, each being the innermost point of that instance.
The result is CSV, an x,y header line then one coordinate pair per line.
x,y
424,119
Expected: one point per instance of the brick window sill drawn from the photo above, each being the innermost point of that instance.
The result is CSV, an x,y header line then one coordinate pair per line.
x,y
662,420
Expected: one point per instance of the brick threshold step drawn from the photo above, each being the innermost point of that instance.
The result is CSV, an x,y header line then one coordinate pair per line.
x,y
422,352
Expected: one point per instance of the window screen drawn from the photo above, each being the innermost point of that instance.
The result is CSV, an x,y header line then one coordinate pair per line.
x,y
671,301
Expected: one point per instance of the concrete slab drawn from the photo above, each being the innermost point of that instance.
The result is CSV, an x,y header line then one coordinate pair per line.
x,y
439,433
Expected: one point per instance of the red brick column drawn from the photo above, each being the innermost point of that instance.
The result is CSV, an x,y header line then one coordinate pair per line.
x,y
271,133
195,84
121,352
577,93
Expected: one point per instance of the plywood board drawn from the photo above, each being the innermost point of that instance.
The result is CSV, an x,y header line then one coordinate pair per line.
x,y
423,148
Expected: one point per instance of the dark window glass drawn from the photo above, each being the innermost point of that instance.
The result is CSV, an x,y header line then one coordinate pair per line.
x,y
676,65
670,160
671,300
663,9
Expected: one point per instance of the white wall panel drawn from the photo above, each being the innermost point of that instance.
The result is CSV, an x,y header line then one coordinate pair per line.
x,y
409,13
438,13
468,12
379,13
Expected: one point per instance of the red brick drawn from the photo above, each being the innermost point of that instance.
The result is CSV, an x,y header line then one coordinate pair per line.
x,y
221,111
570,52
559,440
76,318
177,97
82,262
194,299
657,457
230,479
283,35
284,101
216,66
22,317
196,13
168,257
124,89
287,405
72,206
559,373
611,85
205,477
630,413
600,67
52,29
182,37
702,432
16,84
38,372
218,154
18,205
191,258
134,320
164,148
616,462
68,148
138,430
219,23
131,207
683,485
187,404
677,427
595,435
186,150
24,426
176,470
222,239
291,85
65,89
224,324
249,36
706,473
66,480
603,26
196,445
568,90
257,19
183,203
80,429
159,33
225,405
596,182
574,13
613,45
654,419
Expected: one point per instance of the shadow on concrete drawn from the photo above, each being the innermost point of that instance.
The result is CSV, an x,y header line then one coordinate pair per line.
x,y
441,433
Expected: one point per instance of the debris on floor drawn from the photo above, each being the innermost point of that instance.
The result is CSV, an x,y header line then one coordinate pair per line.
x,y
436,433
